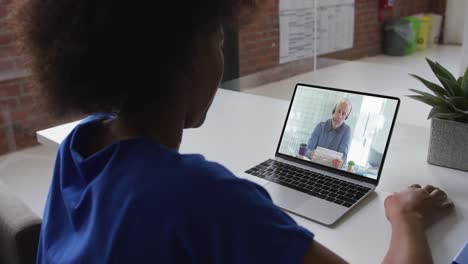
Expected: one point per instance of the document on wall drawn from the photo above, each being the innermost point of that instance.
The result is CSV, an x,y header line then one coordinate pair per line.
x,y
334,20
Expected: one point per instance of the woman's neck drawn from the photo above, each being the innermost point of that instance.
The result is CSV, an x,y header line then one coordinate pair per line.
x,y
166,128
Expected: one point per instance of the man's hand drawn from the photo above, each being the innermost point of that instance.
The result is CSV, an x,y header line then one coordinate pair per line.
x,y
337,163
424,205
312,154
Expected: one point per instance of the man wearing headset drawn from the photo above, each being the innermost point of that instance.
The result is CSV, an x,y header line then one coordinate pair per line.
x,y
333,134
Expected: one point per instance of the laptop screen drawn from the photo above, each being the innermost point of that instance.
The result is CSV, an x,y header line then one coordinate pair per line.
x,y
339,129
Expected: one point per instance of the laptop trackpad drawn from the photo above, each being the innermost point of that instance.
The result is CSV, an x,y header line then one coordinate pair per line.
x,y
304,204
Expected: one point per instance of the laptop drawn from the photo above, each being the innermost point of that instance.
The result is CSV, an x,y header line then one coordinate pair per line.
x,y
346,129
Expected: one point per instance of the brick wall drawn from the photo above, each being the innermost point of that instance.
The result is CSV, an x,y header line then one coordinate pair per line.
x,y
21,114
259,41
10,59
22,110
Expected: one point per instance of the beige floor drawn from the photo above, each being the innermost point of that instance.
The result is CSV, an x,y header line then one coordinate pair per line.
x,y
28,172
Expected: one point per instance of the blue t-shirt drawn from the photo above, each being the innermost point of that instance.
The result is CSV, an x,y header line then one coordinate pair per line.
x,y
136,201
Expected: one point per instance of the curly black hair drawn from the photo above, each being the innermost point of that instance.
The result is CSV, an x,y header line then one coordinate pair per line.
x,y
109,55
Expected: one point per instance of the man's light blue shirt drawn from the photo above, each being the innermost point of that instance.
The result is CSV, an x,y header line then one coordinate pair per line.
x,y
325,136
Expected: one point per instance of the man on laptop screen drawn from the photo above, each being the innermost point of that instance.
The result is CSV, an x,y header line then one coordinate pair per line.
x,y
324,165
333,134
352,139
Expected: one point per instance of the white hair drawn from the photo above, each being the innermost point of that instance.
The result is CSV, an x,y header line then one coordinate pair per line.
x,y
346,101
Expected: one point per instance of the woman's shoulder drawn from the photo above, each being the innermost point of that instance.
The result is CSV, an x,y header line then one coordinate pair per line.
x,y
197,164
190,180
185,172
200,174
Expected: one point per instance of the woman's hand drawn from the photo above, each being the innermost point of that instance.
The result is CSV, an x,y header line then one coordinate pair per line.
x,y
425,205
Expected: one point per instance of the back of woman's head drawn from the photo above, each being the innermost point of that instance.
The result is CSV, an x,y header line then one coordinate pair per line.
x,y
103,55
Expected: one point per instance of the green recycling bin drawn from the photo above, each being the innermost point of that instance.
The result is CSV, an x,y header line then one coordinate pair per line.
x,y
415,25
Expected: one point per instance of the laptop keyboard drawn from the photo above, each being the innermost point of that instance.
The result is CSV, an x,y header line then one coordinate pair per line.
x,y
316,184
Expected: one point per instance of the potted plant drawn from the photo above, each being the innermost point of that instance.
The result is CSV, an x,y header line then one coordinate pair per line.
x,y
448,144
350,165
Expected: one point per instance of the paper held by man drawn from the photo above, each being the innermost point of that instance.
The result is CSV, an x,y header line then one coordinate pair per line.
x,y
326,156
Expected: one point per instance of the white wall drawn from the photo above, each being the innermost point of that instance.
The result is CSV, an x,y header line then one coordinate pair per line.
x,y
454,19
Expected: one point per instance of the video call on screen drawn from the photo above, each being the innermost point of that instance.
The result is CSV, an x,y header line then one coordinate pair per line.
x,y
341,130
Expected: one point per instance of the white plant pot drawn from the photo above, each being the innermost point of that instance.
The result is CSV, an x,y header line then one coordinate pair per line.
x,y
448,144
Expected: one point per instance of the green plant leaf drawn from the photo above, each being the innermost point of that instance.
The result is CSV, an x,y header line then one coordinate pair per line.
x,y
464,85
422,93
424,99
437,112
460,103
440,109
451,86
440,70
447,72
444,76
435,88
429,99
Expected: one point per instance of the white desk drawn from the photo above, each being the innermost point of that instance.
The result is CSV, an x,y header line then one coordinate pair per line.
x,y
242,130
